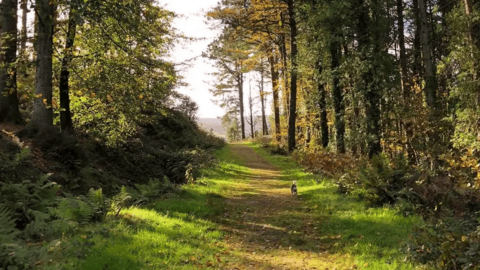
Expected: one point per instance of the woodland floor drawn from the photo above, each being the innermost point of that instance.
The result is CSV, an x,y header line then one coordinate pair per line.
x,y
241,215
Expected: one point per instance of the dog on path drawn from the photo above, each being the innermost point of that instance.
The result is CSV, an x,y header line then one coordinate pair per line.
x,y
293,188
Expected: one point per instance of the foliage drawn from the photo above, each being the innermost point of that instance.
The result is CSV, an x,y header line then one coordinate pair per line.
x,y
154,190
264,141
324,163
452,243
381,182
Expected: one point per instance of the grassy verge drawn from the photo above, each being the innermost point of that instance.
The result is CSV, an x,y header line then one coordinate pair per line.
x,y
374,236
174,233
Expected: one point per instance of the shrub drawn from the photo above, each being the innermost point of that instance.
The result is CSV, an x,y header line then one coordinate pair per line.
x,y
450,244
325,163
382,181
263,141
155,189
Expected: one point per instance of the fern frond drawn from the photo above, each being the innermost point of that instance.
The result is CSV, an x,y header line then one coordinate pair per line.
x,y
7,223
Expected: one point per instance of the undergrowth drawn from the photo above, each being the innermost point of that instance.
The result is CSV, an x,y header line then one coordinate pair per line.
x,y
54,185
448,203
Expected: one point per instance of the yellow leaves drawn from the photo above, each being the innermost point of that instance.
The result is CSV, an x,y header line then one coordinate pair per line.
x,y
335,236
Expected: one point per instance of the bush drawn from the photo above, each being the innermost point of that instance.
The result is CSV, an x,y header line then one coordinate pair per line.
x,y
450,244
382,181
263,141
325,163
155,189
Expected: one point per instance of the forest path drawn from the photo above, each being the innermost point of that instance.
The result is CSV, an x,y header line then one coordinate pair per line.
x,y
268,228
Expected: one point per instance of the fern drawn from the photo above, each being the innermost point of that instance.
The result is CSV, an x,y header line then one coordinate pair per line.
x,y
7,223
120,201
75,209
9,245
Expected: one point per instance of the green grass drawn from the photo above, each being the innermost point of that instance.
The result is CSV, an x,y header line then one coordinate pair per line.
x,y
374,236
179,232
174,233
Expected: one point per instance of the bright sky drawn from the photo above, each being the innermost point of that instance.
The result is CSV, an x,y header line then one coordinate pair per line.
x,y
193,25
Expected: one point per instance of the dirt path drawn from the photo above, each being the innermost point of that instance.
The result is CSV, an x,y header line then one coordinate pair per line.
x,y
267,228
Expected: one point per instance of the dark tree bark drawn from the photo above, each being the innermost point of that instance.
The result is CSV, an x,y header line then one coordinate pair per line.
x,y
338,104
276,102
370,88
65,113
9,110
42,117
293,81
406,81
431,83
417,50
323,114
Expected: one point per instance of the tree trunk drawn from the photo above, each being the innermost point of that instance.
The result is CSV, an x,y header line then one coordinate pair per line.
x,y
42,107
23,34
430,76
417,60
250,108
474,37
262,100
9,110
372,93
406,82
323,114
65,113
276,103
240,97
286,92
293,81
337,97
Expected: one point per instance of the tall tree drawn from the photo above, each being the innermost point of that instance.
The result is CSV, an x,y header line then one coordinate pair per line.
x,y
262,96
251,116
292,115
337,93
369,87
276,101
406,80
230,56
65,112
431,83
9,110
42,108
23,33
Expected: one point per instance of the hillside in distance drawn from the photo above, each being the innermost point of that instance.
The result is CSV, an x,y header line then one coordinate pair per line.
x,y
214,124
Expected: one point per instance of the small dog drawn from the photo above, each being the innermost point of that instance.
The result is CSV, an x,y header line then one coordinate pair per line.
x,y
293,188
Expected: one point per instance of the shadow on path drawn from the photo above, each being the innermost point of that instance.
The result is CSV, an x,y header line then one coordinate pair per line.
x,y
267,228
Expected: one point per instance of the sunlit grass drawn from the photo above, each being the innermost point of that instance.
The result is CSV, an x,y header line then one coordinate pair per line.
x,y
173,233
374,236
